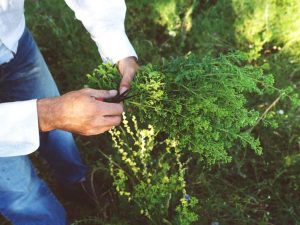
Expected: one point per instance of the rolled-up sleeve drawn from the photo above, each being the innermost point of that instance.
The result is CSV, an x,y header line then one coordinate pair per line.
x,y
19,132
104,20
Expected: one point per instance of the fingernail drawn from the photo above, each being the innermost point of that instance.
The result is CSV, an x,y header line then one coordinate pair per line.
x,y
123,89
113,92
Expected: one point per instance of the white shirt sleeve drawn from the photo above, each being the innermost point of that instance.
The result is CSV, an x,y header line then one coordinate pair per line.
x,y
19,132
104,20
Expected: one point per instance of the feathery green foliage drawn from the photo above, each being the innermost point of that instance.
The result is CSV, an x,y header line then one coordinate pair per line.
x,y
201,102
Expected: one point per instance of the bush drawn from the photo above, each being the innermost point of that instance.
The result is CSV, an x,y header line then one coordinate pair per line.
x,y
195,101
181,118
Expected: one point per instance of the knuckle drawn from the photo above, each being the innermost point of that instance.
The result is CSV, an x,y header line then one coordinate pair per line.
x,y
94,110
121,108
101,109
86,89
117,121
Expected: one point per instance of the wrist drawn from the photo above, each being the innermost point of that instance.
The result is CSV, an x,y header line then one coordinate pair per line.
x,y
46,114
127,60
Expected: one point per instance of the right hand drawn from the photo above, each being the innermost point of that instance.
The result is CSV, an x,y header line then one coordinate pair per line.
x,y
80,112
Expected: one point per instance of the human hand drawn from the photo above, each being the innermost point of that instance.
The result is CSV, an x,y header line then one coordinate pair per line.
x,y
80,112
127,68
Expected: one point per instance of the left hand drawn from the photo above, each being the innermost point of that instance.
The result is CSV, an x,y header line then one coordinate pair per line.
x,y
127,68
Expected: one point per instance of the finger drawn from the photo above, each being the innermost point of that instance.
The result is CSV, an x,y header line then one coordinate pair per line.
x,y
107,121
104,129
96,131
113,120
100,93
125,82
110,109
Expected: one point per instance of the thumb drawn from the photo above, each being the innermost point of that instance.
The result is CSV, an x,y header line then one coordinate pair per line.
x,y
101,93
125,83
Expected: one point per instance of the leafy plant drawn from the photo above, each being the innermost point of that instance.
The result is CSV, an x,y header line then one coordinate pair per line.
x,y
185,99
150,174
201,102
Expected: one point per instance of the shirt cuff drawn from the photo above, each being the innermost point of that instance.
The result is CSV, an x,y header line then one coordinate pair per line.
x,y
19,133
114,46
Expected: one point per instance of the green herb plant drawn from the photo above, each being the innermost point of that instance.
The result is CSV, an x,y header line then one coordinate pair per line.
x,y
186,113
150,175
201,102
184,109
